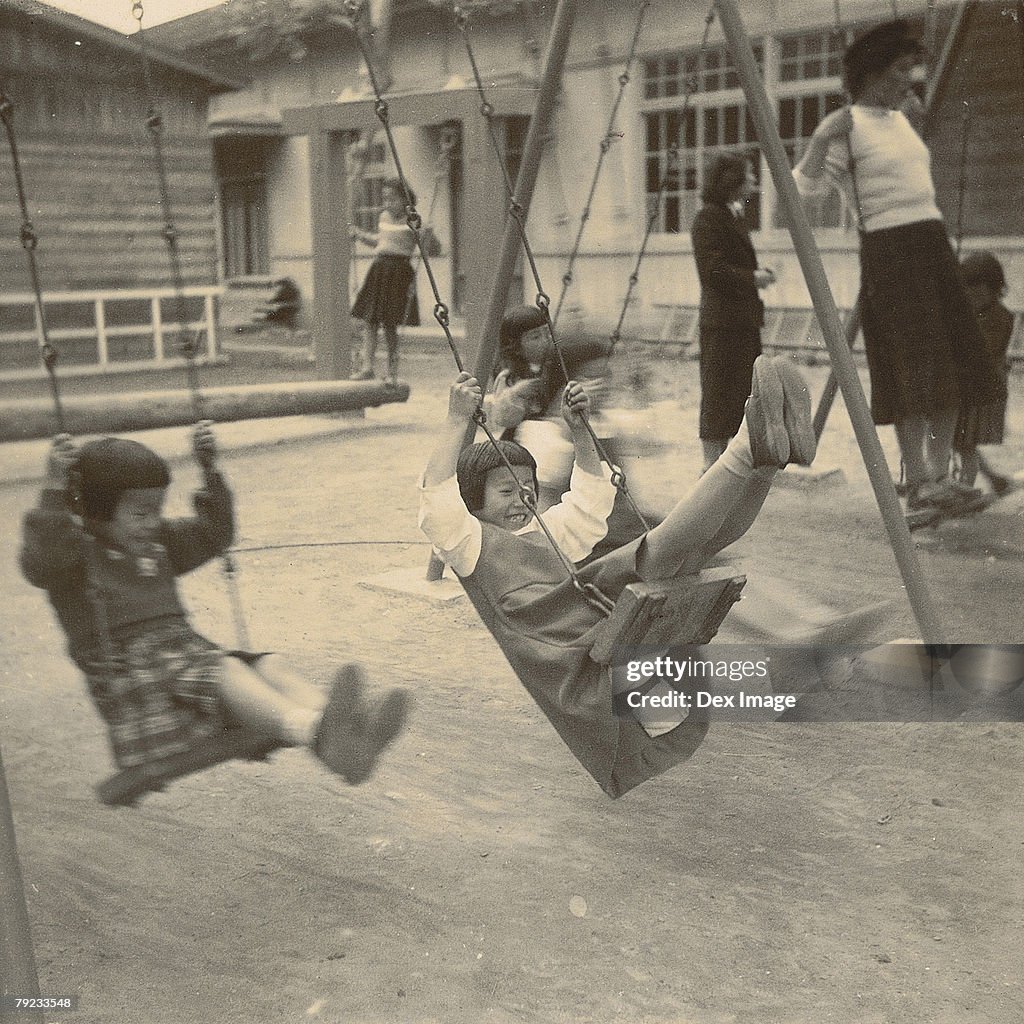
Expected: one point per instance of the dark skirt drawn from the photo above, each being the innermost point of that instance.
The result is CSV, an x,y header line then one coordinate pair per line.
x,y
159,693
388,295
726,364
980,424
925,350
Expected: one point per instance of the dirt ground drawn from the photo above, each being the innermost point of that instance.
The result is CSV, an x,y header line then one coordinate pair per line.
x,y
852,873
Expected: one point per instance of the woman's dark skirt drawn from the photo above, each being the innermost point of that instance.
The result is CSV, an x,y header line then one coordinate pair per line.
x,y
925,351
388,295
726,364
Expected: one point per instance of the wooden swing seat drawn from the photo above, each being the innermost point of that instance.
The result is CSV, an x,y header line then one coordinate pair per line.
x,y
677,612
127,787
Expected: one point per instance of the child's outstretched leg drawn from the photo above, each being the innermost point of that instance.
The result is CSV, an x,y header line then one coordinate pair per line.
x,y
346,735
726,499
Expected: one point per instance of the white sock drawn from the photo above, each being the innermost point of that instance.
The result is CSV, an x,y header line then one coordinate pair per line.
x,y
737,458
299,726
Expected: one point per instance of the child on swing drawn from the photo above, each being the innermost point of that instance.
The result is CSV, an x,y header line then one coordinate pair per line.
x,y
159,686
481,521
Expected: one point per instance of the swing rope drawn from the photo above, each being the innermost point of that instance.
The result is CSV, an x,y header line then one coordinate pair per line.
x,y
50,356
154,124
155,127
590,593
29,241
671,171
542,301
443,174
610,136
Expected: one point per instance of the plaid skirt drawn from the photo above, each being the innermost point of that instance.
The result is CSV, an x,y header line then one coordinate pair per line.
x,y
924,347
388,294
159,693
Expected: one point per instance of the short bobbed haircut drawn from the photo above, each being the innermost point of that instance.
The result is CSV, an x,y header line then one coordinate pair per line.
x,y
873,51
476,461
724,178
984,268
107,468
519,320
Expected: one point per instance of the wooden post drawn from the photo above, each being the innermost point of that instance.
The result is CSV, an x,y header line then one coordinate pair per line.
x,y
17,962
331,252
505,264
505,260
763,117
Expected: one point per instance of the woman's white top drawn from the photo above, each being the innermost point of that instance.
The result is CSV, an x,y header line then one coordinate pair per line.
x,y
892,166
394,237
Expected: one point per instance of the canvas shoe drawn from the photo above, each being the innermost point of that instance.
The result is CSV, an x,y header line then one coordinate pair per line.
x,y
803,445
338,740
383,726
765,416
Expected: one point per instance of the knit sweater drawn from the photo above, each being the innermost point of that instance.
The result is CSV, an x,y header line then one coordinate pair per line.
x,y
891,170
60,556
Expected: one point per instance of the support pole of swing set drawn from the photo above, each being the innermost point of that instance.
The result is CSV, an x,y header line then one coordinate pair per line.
x,y
505,264
18,978
828,317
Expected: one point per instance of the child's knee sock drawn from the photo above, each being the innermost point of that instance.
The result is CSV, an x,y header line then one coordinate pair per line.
x,y
737,458
299,726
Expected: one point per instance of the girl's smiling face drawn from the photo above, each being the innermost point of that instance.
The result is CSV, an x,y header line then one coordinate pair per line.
x,y
503,505
135,524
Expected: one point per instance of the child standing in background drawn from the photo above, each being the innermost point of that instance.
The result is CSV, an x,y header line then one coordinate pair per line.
x,y
985,282
388,296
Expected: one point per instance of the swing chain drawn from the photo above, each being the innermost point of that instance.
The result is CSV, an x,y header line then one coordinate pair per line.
x,y
671,171
29,242
610,137
543,301
155,126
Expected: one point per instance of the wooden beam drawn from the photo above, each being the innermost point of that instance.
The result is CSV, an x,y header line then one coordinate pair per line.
x,y
23,419
413,109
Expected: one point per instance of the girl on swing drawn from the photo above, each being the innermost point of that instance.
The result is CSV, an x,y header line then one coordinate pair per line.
x,y
109,566
473,511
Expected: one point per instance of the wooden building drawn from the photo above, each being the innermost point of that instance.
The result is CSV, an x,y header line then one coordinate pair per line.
x,y
311,66
87,159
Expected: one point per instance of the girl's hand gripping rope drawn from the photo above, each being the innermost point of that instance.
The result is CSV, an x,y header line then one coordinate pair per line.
x,y
60,463
204,445
575,405
464,397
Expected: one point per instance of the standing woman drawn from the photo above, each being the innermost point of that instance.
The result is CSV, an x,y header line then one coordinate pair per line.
x,y
388,296
925,353
731,311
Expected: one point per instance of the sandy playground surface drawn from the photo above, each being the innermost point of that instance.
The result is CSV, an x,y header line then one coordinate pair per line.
x,y
850,873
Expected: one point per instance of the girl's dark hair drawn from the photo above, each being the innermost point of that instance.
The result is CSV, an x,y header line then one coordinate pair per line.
x,y
872,52
724,178
519,320
406,195
111,466
476,461
984,268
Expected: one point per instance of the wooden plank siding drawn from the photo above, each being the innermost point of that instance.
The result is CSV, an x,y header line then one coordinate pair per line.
x,y
987,72
88,163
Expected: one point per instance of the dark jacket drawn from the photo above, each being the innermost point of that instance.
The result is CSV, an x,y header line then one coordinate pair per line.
x,y
726,262
58,556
